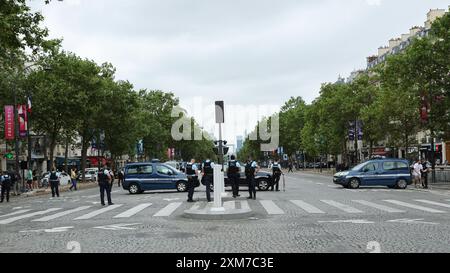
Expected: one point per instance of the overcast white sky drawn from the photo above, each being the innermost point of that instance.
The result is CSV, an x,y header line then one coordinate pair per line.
x,y
246,52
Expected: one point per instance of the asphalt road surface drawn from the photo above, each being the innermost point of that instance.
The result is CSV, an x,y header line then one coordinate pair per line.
x,y
313,215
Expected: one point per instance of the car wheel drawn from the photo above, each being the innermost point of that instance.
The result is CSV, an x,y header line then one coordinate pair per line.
x,y
134,188
263,185
401,184
181,186
354,183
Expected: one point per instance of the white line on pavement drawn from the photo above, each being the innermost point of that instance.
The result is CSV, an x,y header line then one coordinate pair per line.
x,y
168,210
434,203
60,214
404,204
307,207
341,206
133,211
271,207
10,220
15,213
97,212
377,206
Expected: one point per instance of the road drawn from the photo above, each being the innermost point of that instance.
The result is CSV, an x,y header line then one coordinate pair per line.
x,y
313,215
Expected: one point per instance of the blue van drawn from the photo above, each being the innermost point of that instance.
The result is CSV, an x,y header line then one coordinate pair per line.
x,y
140,177
393,173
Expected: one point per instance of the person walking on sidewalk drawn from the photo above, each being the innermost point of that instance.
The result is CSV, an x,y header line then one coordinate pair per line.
x,y
104,182
417,173
5,182
121,176
35,180
425,171
29,178
73,178
290,167
54,182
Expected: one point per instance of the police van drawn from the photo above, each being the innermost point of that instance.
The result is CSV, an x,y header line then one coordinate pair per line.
x,y
141,177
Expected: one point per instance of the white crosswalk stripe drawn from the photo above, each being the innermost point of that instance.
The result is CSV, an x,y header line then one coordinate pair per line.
x,y
408,205
133,211
15,213
168,210
61,214
307,207
97,212
434,203
29,215
341,206
378,206
271,207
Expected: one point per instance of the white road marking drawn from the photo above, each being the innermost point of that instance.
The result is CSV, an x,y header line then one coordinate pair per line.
x,y
271,207
10,220
118,227
229,205
404,204
377,206
411,221
434,203
341,206
307,207
357,221
319,183
196,206
133,211
60,214
168,210
15,213
171,199
97,212
51,230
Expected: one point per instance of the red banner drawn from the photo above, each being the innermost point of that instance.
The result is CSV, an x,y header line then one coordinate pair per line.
x,y
9,122
23,120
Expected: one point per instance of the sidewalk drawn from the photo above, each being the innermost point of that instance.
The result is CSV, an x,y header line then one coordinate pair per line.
x,y
48,191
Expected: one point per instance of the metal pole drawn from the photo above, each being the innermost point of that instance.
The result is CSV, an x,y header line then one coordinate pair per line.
x,y
220,146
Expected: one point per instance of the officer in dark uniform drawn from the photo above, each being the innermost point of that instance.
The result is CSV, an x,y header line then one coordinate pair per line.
x,y
250,171
207,175
191,172
276,172
233,175
104,182
6,182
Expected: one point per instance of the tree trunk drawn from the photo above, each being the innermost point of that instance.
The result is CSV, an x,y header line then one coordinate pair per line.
x,y
83,157
66,155
406,145
370,148
52,152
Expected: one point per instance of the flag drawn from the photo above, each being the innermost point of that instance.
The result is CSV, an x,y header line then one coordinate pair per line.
x,y
29,104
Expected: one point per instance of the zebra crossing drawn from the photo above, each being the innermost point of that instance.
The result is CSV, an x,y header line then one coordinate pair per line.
x,y
271,207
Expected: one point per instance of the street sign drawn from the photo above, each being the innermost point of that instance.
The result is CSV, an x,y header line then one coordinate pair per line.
x,y
9,156
220,112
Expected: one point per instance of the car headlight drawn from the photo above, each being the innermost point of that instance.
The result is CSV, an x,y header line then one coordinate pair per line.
x,y
344,173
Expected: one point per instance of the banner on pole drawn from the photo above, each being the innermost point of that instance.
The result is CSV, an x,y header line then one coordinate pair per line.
x,y
9,122
23,120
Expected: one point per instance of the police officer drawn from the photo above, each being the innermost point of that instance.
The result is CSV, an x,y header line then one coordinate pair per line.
x,y
276,172
233,175
251,168
54,182
192,174
6,182
104,182
207,175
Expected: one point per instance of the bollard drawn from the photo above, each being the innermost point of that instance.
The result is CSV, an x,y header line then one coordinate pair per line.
x,y
218,187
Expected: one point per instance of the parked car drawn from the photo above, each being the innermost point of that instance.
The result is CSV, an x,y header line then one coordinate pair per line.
x,y
140,177
263,179
64,179
90,175
393,173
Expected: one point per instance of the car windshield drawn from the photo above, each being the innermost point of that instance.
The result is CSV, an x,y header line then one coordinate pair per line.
x,y
359,167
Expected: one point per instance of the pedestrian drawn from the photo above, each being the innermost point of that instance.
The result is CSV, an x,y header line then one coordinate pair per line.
x,y
233,175
35,180
207,175
417,173
6,183
290,167
251,168
54,182
29,178
425,171
120,176
276,174
111,173
73,178
192,175
104,182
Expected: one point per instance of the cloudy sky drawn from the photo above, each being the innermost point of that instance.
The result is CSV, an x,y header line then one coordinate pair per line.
x,y
246,52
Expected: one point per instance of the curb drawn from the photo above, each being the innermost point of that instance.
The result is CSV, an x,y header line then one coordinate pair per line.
x,y
41,192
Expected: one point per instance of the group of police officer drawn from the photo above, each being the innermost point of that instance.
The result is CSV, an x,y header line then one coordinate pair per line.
x,y
207,169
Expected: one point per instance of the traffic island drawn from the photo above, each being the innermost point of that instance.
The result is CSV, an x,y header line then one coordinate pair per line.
x,y
231,210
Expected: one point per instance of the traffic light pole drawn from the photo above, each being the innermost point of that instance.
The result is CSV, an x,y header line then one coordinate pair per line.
x,y
221,146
